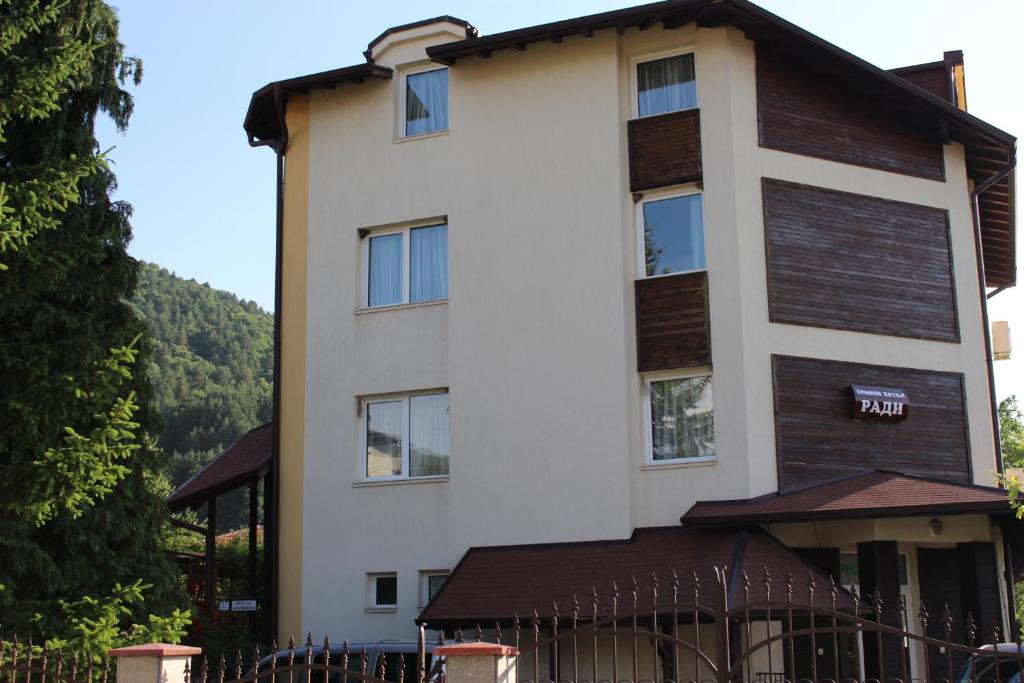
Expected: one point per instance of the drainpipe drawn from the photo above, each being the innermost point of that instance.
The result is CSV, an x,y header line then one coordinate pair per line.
x,y
975,217
271,533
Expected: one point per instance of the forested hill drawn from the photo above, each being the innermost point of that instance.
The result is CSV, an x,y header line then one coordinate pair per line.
x,y
211,368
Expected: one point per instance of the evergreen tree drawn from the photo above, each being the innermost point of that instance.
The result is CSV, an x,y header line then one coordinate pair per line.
x,y
79,520
211,372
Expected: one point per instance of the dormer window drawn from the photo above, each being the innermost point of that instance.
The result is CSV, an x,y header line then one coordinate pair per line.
x,y
425,106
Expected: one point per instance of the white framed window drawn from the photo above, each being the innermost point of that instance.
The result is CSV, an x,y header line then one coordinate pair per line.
x,y
679,417
423,101
383,587
670,232
431,581
405,436
664,83
406,265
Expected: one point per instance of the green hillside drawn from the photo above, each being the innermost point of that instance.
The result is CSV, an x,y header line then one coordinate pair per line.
x,y
211,370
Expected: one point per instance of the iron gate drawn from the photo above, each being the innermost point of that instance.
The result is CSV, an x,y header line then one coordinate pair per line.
x,y
772,632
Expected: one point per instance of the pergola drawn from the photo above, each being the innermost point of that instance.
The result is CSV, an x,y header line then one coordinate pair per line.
x,y
243,464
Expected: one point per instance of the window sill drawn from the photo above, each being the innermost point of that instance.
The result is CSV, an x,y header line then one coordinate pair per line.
x,y
673,464
680,272
380,610
421,136
441,479
637,117
400,307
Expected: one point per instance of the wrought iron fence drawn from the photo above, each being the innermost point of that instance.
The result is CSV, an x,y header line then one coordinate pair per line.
x,y
326,663
732,629
721,629
28,663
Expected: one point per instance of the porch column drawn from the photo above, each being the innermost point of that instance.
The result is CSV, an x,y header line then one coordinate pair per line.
x,y
879,568
152,663
979,588
479,662
211,555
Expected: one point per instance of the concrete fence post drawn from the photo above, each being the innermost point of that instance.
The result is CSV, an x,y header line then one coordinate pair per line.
x,y
152,662
479,662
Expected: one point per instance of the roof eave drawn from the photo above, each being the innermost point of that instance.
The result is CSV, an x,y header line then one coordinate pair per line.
x,y
264,132
994,508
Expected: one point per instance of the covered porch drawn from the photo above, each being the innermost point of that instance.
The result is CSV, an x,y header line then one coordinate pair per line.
x,y
245,464
927,547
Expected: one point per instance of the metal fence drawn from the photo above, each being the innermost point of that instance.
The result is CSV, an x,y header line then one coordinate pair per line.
x,y
733,630
724,629
28,663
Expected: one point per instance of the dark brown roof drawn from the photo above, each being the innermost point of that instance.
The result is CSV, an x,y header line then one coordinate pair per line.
x,y
872,494
244,461
498,583
933,77
988,149
264,122
470,29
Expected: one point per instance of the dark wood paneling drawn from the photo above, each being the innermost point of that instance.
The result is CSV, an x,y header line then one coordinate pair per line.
x,y
934,79
854,262
979,587
664,150
825,560
820,115
673,327
817,439
938,574
878,568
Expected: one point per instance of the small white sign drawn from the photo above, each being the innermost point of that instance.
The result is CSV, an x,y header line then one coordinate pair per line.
x,y
224,606
243,605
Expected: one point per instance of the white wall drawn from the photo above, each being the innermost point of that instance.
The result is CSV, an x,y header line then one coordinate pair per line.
x,y
537,341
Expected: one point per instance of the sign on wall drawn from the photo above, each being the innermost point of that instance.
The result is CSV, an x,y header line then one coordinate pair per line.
x,y
238,605
880,404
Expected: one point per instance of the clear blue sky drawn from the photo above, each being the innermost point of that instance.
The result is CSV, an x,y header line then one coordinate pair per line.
x,y
204,200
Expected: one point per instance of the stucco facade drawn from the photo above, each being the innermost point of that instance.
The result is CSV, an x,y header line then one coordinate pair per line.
x,y
536,342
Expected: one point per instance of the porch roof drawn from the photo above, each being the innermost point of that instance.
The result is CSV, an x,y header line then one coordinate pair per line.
x,y
500,582
878,493
242,462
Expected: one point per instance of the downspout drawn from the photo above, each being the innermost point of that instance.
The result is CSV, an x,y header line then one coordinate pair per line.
x,y
980,260
271,534
976,218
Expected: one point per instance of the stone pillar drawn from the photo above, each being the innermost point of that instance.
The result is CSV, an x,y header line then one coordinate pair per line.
x,y
152,662
479,662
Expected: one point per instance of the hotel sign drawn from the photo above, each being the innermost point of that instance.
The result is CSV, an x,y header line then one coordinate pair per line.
x,y
880,404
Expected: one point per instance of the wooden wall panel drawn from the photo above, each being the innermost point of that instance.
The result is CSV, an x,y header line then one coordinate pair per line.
x,y
664,150
979,585
935,79
878,568
817,115
817,439
938,575
854,262
673,328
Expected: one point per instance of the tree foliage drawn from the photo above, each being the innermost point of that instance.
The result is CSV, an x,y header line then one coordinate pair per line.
x,y
211,372
78,516
1011,432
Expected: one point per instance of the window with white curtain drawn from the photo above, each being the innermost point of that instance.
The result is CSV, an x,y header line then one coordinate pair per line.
x,y
670,234
426,102
406,436
680,419
666,85
407,266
